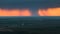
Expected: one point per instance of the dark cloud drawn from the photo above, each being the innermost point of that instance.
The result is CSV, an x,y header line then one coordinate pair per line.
x,y
29,3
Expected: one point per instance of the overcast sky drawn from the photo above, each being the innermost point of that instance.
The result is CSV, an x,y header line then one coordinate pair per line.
x,y
29,3
34,5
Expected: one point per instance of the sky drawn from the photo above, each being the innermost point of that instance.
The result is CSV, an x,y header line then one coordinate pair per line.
x,y
29,3
33,5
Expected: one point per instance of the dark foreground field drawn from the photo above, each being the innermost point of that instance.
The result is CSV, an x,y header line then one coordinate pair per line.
x,y
30,25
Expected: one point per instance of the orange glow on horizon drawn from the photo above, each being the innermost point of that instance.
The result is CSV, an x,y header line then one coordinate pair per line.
x,y
14,12
49,12
25,12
